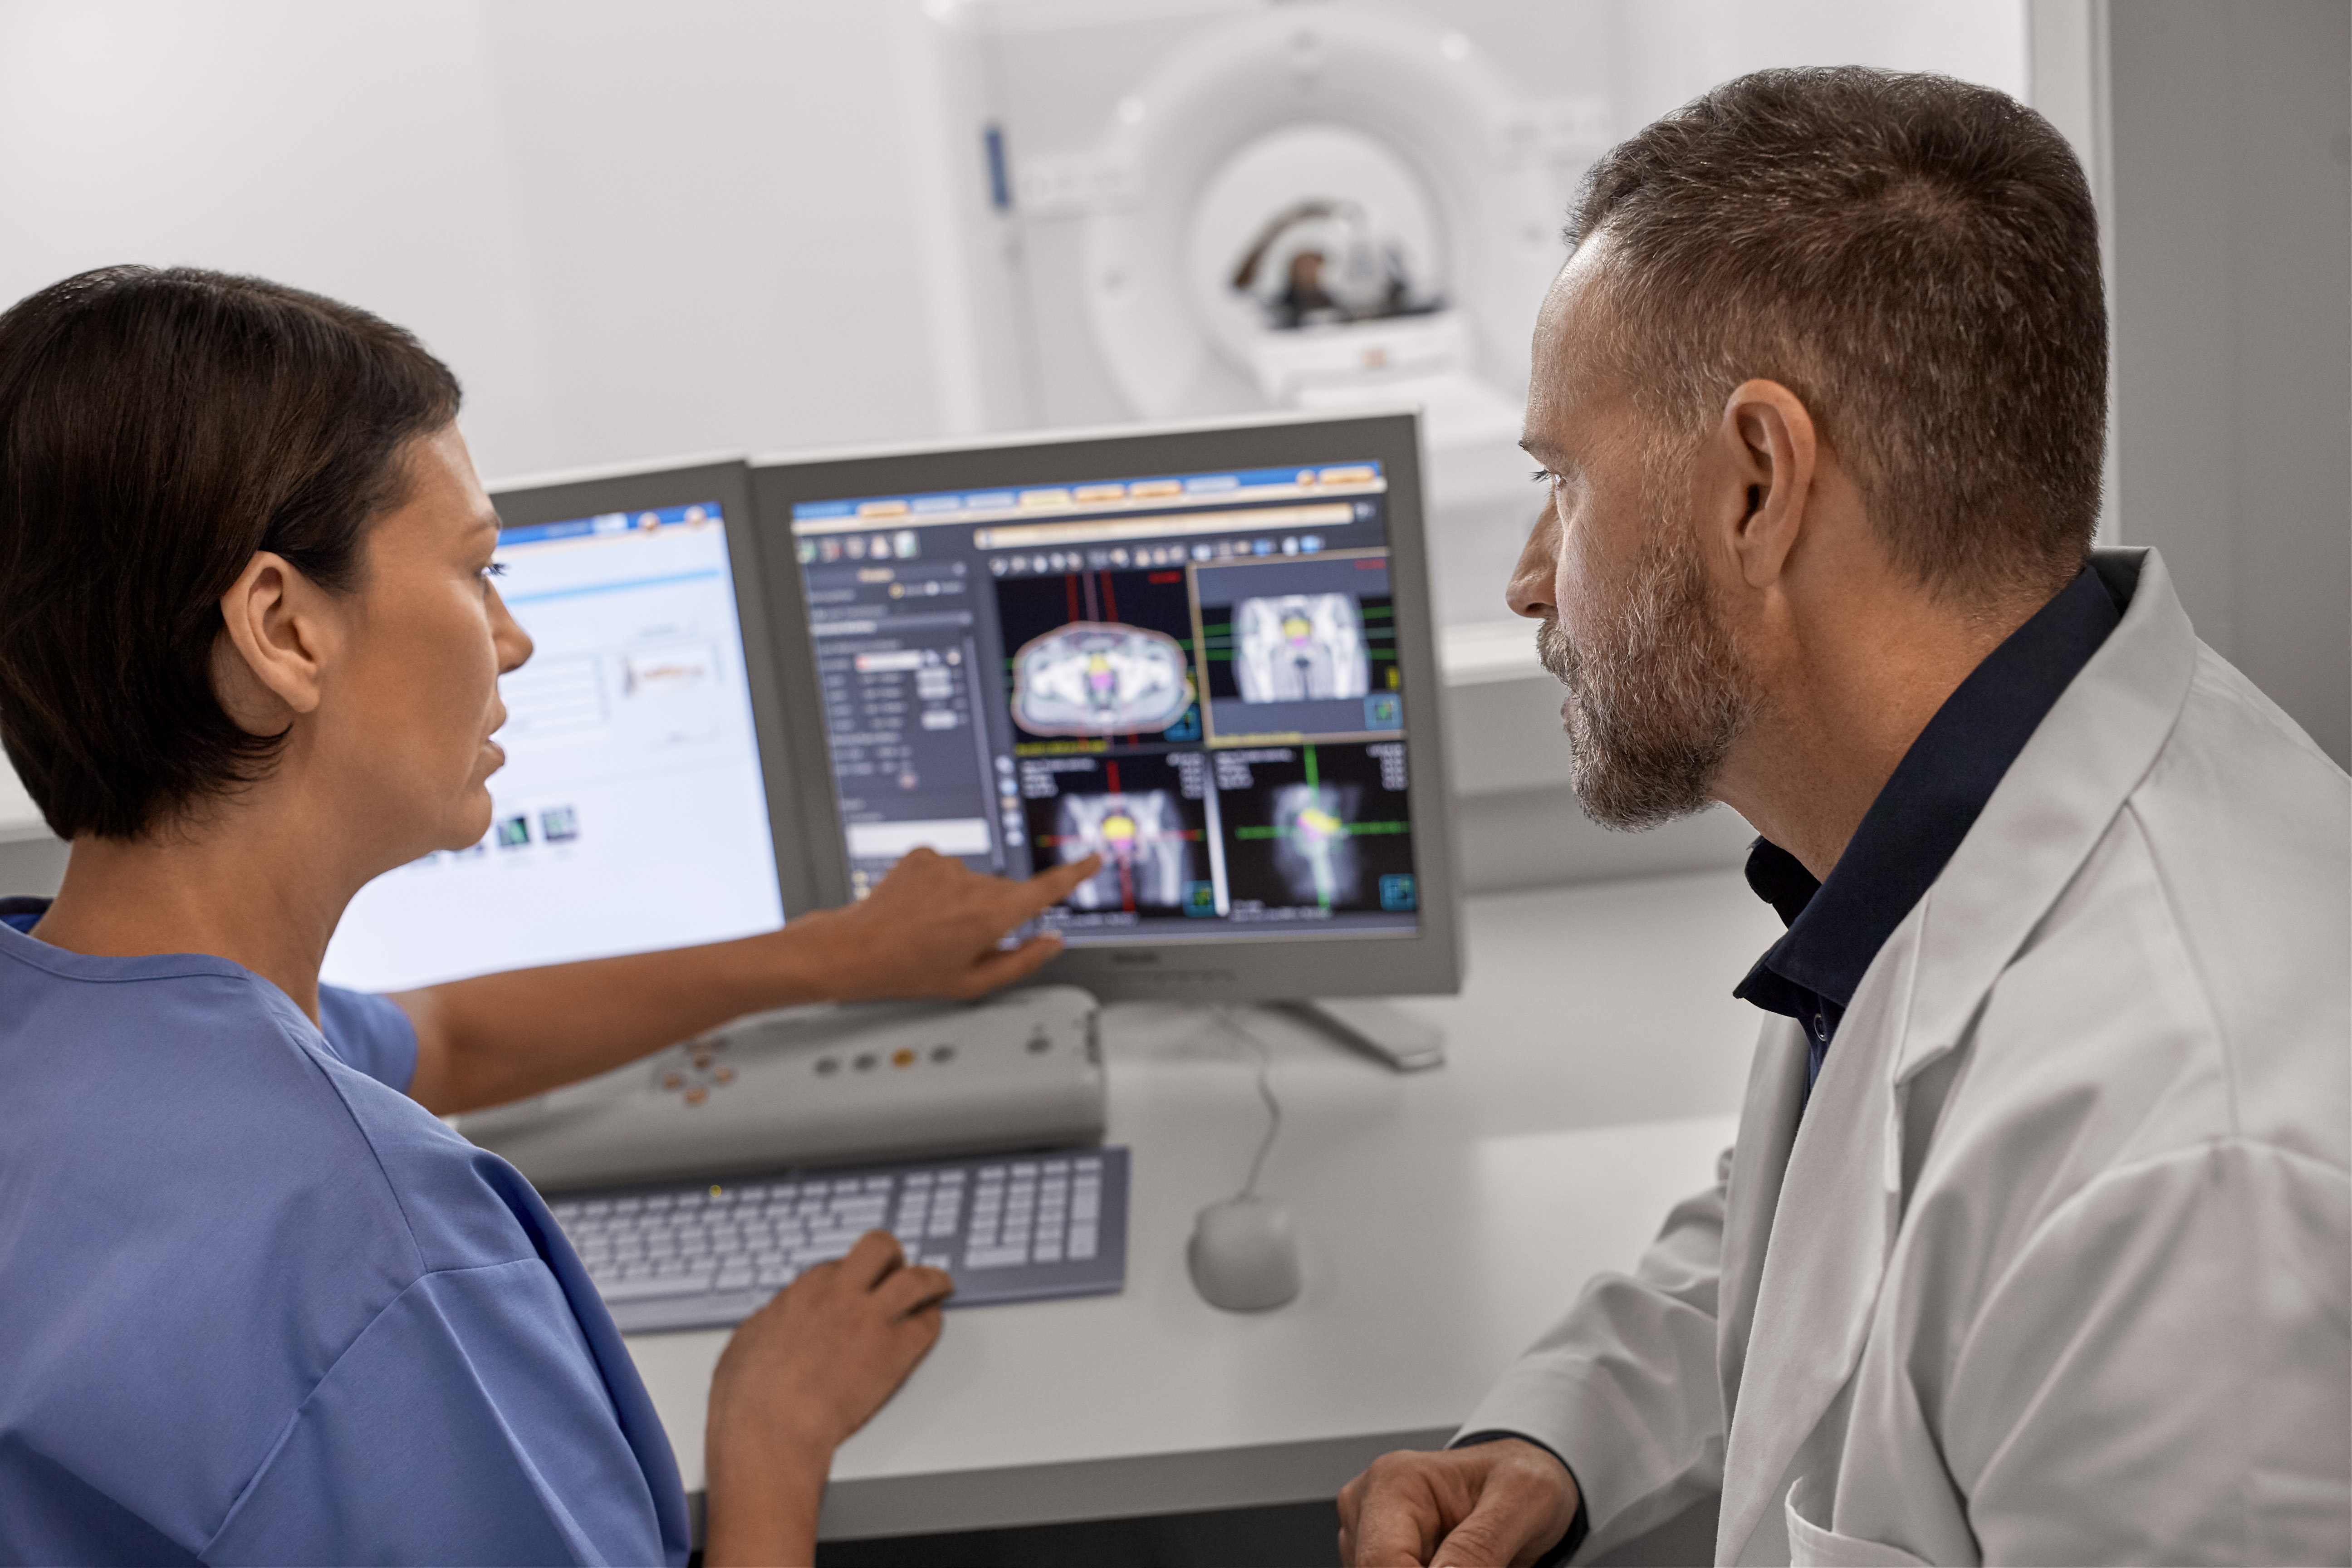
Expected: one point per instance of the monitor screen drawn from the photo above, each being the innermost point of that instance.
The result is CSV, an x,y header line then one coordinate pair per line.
x,y
631,814
1195,675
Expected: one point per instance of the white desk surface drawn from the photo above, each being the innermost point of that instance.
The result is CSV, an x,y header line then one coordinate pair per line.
x,y
1596,1064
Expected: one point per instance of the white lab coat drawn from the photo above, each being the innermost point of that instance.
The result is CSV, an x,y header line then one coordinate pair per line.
x,y
2057,1266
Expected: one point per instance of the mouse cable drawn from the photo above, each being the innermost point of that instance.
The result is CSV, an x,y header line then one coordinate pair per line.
x,y
1233,1025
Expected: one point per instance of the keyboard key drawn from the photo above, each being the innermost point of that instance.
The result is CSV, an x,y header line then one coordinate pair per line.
x,y
995,1257
648,1284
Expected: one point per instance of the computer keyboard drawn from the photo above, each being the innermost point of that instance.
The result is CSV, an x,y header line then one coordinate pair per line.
x,y
693,1255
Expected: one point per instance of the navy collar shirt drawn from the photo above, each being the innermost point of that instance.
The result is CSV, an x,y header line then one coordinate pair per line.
x,y
1836,927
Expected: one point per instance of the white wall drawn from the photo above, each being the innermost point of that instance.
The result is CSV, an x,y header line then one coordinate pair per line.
x,y
2233,298
632,230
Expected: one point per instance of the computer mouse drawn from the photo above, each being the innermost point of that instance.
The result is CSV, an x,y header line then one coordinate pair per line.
x,y
1244,1256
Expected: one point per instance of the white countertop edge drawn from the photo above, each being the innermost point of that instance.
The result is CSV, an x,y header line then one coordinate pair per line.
x,y
1123,1488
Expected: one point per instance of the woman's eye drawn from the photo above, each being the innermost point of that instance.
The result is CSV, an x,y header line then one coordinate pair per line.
x,y
1542,475
494,569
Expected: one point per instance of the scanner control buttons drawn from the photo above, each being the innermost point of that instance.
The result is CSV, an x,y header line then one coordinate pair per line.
x,y
904,1056
694,1070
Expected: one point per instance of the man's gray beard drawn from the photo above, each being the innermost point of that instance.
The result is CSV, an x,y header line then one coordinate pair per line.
x,y
1658,695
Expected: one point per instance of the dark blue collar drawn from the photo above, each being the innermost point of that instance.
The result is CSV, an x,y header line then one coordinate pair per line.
x,y
1929,805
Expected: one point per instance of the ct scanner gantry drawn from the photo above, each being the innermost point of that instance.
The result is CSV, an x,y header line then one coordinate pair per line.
x,y
1401,199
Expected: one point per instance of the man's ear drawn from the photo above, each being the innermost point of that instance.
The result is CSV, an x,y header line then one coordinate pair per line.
x,y
269,665
1769,446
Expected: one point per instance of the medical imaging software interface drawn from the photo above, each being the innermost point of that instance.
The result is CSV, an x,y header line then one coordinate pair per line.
x,y
1194,675
631,813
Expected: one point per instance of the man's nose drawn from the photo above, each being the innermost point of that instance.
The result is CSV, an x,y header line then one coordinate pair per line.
x,y
1529,593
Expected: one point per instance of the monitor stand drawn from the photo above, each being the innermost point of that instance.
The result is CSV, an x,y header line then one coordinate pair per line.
x,y
1401,1039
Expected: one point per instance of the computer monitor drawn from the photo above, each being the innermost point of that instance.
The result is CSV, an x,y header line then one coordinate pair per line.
x,y
633,811
1205,653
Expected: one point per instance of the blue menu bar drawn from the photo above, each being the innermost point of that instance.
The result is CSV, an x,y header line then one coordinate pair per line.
x,y
613,522
1171,488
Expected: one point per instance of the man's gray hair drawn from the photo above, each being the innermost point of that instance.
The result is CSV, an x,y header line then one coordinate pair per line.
x,y
1916,258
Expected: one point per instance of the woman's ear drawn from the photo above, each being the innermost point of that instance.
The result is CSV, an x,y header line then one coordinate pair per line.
x,y
269,662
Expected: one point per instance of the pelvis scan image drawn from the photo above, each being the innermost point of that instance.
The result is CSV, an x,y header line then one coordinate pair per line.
x,y
1099,677
1140,835
1312,847
1299,647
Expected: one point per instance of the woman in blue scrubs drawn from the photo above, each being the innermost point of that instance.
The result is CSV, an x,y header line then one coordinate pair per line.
x,y
256,1303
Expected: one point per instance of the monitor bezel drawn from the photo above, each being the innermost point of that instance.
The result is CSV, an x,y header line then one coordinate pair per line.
x,y
560,497
1253,964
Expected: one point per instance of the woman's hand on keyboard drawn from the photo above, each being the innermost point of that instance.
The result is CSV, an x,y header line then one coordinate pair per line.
x,y
800,1375
931,928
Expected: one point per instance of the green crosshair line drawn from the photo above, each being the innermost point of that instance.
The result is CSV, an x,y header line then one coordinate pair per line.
x,y
1346,830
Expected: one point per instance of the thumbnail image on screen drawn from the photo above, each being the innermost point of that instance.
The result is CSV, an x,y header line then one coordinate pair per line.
x,y
1192,676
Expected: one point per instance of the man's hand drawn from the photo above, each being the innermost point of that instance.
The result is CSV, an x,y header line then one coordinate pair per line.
x,y
930,929
800,1375
1493,1505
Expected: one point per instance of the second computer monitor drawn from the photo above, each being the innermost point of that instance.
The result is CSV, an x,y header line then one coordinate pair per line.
x,y
634,808
1204,654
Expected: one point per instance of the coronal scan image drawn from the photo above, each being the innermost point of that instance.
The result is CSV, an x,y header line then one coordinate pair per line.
x,y
1146,848
1313,848
1299,648
1099,677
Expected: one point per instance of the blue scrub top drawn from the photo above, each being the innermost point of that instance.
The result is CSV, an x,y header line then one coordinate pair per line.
x,y
257,1304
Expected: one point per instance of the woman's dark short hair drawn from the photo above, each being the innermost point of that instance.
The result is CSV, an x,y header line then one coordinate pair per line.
x,y
1915,256
157,428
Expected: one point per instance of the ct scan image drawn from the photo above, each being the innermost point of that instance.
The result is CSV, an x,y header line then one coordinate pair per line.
x,y
1097,655
1094,677
1145,843
1316,829
1300,647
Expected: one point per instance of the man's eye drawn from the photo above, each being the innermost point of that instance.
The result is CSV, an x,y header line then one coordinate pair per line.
x,y
1542,475
494,569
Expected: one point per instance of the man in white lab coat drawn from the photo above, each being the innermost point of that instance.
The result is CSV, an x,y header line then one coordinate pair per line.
x,y
2036,1244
